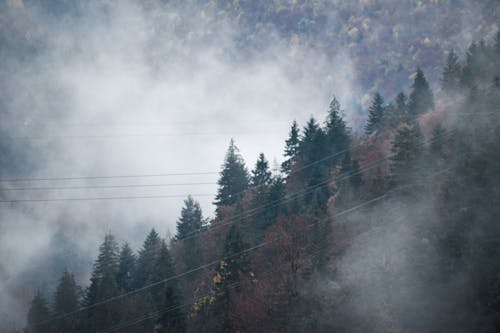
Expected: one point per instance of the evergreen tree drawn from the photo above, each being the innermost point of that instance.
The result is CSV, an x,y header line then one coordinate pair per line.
x,y
66,300
261,174
234,179
421,97
38,315
147,259
191,220
451,73
337,133
126,268
312,152
375,114
188,226
102,287
107,261
163,269
291,148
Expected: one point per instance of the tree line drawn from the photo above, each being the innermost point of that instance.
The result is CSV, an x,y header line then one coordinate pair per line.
x,y
256,266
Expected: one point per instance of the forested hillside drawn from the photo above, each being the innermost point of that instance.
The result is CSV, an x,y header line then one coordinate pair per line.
x,y
392,230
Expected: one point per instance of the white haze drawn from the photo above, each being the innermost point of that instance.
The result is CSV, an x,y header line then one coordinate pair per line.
x,y
119,93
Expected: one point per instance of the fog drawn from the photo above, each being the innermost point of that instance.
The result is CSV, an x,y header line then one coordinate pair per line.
x,y
119,92
113,89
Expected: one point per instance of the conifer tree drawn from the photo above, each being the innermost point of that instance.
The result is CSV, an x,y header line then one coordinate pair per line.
x,y
38,315
102,287
66,295
451,73
190,223
66,300
375,114
291,148
261,174
337,133
421,97
191,220
147,259
126,268
234,178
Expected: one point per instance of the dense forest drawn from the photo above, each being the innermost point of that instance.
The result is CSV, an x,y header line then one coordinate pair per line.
x,y
392,230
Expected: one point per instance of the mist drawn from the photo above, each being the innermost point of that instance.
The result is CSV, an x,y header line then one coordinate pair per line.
x,y
132,91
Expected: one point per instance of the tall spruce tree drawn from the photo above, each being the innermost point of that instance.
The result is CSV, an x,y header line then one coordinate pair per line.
x,y
126,268
421,97
66,300
375,114
102,287
234,178
337,133
38,315
291,148
191,220
261,174
451,74
147,259
188,225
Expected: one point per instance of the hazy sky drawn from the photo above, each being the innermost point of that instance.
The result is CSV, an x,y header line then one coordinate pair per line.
x,y
120,90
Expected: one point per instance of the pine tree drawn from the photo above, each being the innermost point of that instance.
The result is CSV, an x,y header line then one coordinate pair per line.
x,y
191,220
261,174
38,315
234,178
126,268
66,300
375,114
107,261
421,97
146,259
189,224
313,149
308,144
451,73
291,148
102,287
337,133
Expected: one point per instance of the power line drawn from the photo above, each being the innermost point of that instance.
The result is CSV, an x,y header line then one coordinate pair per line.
x,y
111,176
103,186
106,198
